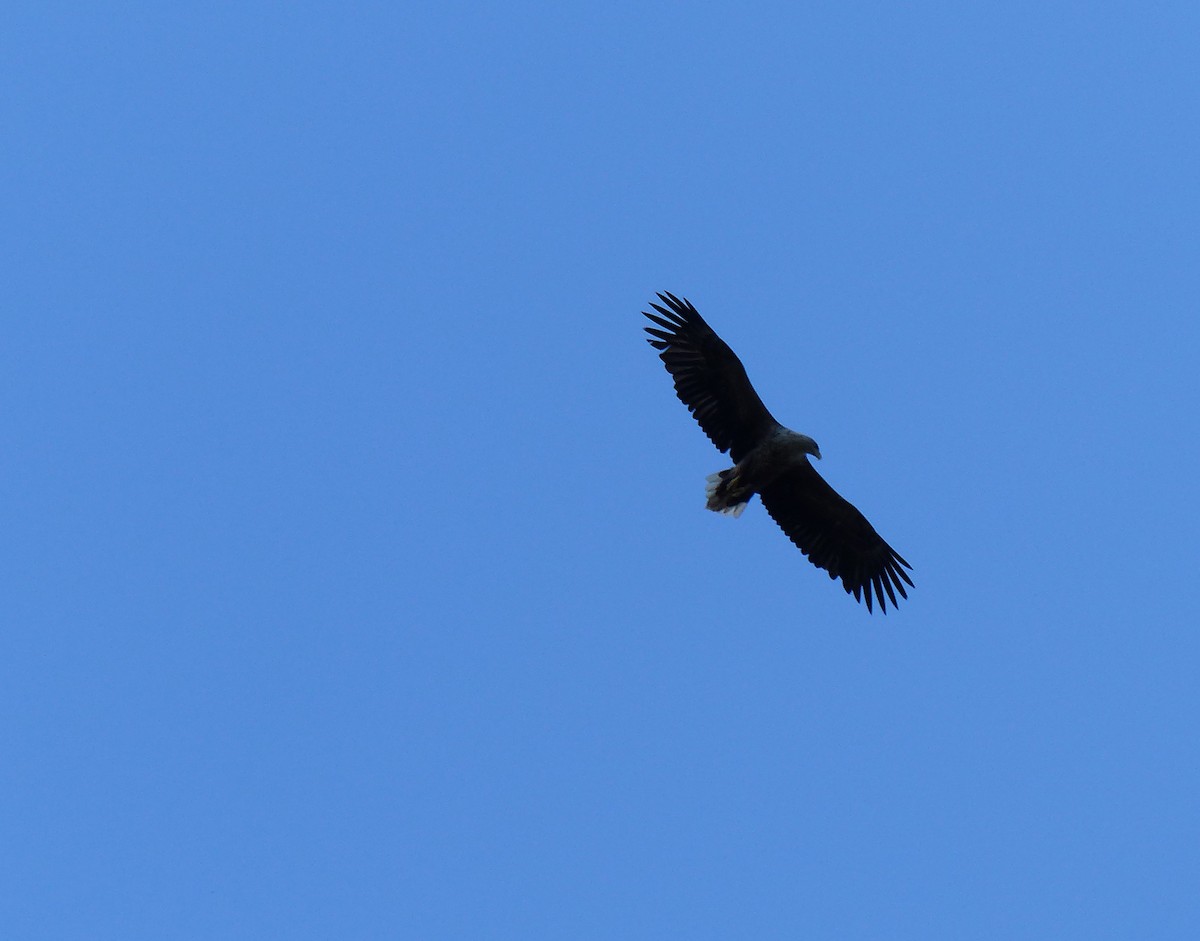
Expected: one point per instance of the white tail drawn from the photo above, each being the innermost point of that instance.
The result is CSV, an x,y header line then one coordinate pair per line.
x,y
717,495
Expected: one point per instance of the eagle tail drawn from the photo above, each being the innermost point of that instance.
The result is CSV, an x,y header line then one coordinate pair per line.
x,y
723,495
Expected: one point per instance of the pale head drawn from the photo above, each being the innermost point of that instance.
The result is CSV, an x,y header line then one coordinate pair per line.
x,y
798,442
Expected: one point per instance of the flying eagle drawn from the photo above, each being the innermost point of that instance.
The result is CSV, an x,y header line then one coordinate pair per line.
x,y
770,460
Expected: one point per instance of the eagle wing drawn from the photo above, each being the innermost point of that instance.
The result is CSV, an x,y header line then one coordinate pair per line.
x,y
709,378
835,536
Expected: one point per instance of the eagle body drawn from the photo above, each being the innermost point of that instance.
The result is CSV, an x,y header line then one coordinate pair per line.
x,y
770,460
779,451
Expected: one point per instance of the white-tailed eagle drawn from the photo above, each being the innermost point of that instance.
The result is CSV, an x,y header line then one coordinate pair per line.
x,y
770,460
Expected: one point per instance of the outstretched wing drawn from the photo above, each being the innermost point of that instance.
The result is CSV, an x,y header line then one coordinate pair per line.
x,y
709,378
835,536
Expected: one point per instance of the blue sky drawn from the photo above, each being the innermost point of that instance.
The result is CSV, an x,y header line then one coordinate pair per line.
x,y
356,578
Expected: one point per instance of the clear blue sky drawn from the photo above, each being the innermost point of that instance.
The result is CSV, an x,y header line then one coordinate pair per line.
x,y
356,577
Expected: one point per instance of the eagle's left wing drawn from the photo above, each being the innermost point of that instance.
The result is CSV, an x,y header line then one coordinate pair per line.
x,y
835,535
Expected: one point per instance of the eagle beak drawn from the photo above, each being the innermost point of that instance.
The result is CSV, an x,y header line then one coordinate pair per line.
x,y
817,454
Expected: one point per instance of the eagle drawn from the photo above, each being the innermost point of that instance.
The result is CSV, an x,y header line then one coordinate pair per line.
x,y
769,459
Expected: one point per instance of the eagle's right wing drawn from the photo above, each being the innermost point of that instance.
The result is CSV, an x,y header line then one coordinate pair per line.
x,y
709,378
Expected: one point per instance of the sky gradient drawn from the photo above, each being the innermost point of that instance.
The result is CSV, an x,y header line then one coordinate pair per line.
x,y
357,581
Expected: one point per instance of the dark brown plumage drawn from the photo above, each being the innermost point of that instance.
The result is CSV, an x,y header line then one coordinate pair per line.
x,y
770,460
